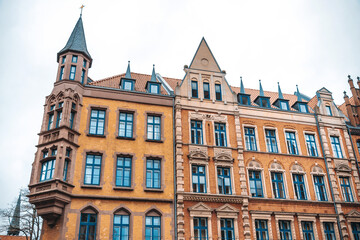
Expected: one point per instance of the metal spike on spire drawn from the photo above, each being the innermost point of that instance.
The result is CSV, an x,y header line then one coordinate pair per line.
x,y
279,92
299,99
82,6
14,228
242,89
128,73
345,95
153,75
261,90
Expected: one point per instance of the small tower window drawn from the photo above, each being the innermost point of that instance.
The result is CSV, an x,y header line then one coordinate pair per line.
x,y
74,59
194,89
328,110
63,59
52,107
61,73
206,90
72,72
82,76
218,92
84,63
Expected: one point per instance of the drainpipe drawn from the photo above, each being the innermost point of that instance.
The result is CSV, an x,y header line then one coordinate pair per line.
x,y
174,156
352,145
328,174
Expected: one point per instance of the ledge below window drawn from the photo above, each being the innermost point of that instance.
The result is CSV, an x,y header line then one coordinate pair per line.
x,y
94,135
124,188
153,190
126,138
91,186
151,140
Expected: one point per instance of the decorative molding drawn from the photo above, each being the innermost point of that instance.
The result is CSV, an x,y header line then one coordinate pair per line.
x,y
212,198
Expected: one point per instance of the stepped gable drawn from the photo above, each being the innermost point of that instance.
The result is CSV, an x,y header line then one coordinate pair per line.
x,y
342,107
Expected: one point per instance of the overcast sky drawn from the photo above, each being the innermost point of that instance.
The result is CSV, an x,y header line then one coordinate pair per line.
x,y
310,43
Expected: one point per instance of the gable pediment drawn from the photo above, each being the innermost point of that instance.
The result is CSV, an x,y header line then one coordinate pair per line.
x,y
354,214
204,59
227,208
343,168
201,207
223,157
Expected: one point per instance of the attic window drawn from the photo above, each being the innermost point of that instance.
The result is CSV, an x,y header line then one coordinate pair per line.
x,y
154,88
243,99
127,85
303,108
328,110
284,105
264,102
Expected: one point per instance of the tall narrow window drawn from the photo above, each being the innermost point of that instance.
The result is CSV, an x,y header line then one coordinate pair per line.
x,y
220,134
126,123
328,110
285,230
92,169
291,143
123,172
206,87
63,59
200,228
218,94
84,63
329,231
87,226
65,172
278,185
194,89
196,132
47,170
198,178
61,73
74,59
261,228
152,228
346,189
82,76
153,127
255,182
250,140
72,116
224,180
320,188
307,229
335,144
72,72
153,173
227,229
356,230
299,187
97,122
50,122
58,118
271,140
121,227
358,145
311,145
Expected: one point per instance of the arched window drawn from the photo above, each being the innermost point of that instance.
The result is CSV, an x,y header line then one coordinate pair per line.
x,y
153,225
88,221
319,183
121,226
277,180
255,179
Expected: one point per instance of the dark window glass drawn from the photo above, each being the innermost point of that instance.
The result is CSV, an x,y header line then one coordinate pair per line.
x,y
356,230
285,230
227,229
194,89
299,187
87,226
121,227
346,189
271,140
255,182
329,231
291,143
47,170
63,59
278,185
335,144
220,134
320,188
206,90
72,72
224,180
307,228
82,76
196,132
198,178
218,94
250,139
261,228
84,63
61,73
200,228
311,145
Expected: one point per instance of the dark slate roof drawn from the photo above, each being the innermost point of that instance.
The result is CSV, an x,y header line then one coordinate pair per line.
x,y
76,42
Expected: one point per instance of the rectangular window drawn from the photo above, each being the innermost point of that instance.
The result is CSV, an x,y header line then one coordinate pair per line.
x,y
285,230
74,59
50,122
320,188
92,169
84,63
356,230
346,189
307,229
200,228
72,116
278,185
97,122
303,108
196,132
255,183
128,85
68,152
244,99
220,134
198,178
218,92
61,104
299,187
271,140
63,59
72,72
58,118
250,140
61,73
87,226
47,170
291,143
311,145
73,106
358,145
152,228
153,127
53,152
261,228
329,231
52,107
224,180
264,102
66,165
328,110
121,227
335,144
82,76
153,173
194,89
123,172
154,88
284,105
45,154
227,229
206,87
126,123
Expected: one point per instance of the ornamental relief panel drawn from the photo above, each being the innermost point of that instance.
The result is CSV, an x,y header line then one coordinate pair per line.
x,y
221,154
198,152
206,116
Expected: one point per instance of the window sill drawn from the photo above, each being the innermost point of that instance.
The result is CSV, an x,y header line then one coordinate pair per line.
x,y
151,140
94,135
91,186
126,138
153,190
124,188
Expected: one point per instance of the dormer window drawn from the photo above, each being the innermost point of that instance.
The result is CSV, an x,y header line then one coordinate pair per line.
x,y
74,59
218,92
127,85
284,105
303,108
154,88
244,99
194,89
328,110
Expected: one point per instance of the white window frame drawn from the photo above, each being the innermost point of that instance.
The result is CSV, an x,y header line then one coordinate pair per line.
x,y
281,216
316,142
233,215
302,172
228,165
336,133
205,214
352,185
261,216
282,170
203,130
256,136
312,174
277,139
248,168
204,163
297,141
308,219
329,219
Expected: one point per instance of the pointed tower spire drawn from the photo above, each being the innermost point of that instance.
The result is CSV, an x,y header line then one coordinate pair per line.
x,y
261,90
299,98
242,89
153,75
76,42
128,73
279,92
14,228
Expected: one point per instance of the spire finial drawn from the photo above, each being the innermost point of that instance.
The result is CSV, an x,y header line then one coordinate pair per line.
x,y
153,75
298,94
358,78
242,89
279,92
261,89
14,228
349,77
128,73
82,6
